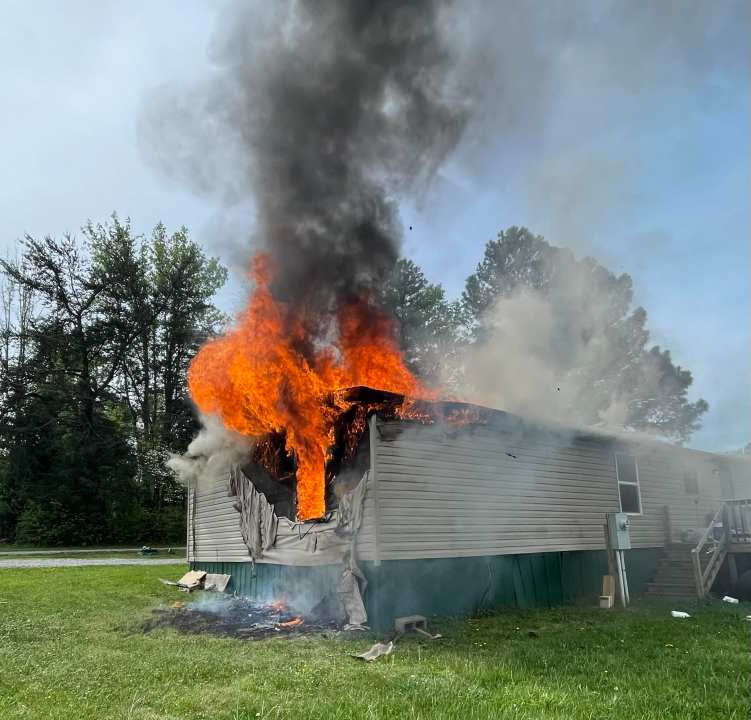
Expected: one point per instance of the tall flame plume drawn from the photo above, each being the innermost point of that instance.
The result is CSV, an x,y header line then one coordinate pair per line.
x,y
271,373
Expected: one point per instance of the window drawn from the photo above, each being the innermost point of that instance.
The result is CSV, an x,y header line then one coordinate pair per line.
x,y
627,473
691,481
726,483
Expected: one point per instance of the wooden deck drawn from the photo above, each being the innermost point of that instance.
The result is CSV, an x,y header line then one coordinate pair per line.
x,y
728,535
739,548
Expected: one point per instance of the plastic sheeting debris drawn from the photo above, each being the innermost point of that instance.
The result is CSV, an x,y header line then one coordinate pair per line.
x,y
351,599
679,614
376,651
258,523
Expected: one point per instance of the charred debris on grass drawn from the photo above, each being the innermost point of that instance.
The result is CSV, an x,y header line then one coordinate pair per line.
x,y
240,617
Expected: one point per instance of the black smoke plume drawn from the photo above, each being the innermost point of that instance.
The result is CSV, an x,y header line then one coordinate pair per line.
x,y
326,111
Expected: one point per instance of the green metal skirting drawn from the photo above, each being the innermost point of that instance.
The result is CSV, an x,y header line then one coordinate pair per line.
x,y
462,586
445,587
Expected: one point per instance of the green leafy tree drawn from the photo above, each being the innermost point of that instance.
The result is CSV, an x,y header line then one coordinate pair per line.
x,y
93,394
184,281
427,324
164,287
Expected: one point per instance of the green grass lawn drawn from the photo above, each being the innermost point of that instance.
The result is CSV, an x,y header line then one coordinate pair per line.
x,y
70,648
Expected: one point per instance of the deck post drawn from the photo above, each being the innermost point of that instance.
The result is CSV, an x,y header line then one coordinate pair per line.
x,y
728,523
697,573
609,551
733,569
614,567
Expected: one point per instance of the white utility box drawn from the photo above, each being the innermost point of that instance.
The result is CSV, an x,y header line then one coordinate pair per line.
x,y
619,533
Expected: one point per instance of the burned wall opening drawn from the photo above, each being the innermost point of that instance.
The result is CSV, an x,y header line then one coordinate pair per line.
x,y
272,467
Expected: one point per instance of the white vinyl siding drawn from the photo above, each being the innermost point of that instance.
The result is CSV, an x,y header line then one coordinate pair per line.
x,y
480,491
217,536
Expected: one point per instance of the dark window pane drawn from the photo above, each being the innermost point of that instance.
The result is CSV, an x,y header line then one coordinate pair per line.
x,y
629,498
626,468
726,483
691,481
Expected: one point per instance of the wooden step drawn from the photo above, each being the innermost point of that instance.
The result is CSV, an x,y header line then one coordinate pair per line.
x,y
676,558
680,590
675,567
669,582
672,588
674,563
674,580
674,575
688,567
680,598
683,572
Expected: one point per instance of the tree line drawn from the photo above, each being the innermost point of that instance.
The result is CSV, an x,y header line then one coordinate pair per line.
x,y
97,332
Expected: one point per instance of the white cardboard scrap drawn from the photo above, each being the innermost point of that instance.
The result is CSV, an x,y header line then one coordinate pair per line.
x,y
192,580
216,582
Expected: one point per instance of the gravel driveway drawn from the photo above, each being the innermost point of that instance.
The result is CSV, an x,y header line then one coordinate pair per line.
x,y
78,551
80,562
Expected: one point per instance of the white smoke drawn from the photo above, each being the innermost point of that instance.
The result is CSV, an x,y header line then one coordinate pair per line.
x,y
213,442
570,354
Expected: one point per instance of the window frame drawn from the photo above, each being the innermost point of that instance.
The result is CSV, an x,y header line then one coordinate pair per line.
x,y
636,484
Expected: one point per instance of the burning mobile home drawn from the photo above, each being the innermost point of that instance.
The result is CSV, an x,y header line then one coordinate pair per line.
x,y
326,115
444,508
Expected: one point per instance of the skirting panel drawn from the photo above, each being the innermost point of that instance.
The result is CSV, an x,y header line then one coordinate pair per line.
x,y
447,587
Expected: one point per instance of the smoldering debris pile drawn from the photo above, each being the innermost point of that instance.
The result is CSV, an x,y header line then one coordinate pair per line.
x,y
239,617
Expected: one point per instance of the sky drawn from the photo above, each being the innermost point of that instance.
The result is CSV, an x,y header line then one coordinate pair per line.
x,y
624,136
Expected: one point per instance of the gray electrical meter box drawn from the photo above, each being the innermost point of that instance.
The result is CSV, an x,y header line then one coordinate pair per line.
x,y
619,531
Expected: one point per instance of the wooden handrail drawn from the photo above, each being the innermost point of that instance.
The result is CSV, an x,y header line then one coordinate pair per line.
x,y
736,529
701,576
703,541
719,547
730,529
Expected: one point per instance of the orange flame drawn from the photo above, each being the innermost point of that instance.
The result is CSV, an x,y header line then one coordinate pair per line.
x,y
258,378
294,622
